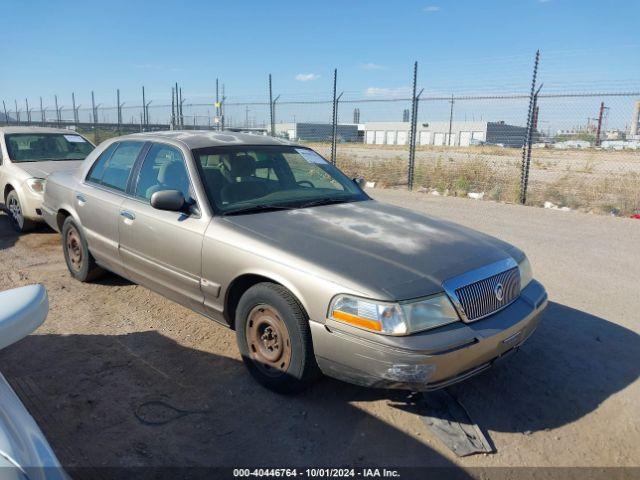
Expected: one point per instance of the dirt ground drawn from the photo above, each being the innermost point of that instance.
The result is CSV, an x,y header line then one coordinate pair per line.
x,y
119,376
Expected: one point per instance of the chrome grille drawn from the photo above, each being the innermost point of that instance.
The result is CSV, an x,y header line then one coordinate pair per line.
x,y
479,299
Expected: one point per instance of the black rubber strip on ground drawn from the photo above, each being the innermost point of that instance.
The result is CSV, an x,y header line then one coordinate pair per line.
x,y
450,422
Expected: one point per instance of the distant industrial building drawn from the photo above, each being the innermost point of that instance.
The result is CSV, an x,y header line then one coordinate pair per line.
x,y
317,132
460,134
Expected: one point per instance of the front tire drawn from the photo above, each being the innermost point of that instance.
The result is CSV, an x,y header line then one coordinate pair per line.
x,y
272,330
18,222
80,262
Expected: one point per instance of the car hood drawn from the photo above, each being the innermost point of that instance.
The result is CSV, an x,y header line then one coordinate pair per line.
x,y
44,169
382,249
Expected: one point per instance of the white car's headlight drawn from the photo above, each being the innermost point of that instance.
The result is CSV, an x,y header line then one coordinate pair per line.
x,y
526,273
36,185
401,318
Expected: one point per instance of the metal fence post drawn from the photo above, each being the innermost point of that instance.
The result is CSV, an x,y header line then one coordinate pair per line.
x,y
42,115
271,119
26,103
6,117
73,105
526,144
412,129
144,108
452,101
334,118
17,112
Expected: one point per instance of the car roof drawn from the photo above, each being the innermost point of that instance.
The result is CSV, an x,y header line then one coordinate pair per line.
x,y
37,130
207,138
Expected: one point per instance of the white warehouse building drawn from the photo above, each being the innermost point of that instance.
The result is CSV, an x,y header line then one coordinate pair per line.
x,y
463,134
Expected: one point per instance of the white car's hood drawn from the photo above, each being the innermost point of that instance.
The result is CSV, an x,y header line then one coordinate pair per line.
x,y
44,169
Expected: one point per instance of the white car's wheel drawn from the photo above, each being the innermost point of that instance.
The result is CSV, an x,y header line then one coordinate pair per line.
x,y
18,221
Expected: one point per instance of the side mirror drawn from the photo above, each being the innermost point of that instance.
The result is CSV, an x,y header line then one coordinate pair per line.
x,y
22,310
171,200
360,181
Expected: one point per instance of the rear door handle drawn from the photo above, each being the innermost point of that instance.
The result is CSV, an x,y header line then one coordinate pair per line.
x,y
127,214
81,199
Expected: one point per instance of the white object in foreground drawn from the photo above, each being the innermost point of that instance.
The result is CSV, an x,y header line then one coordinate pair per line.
x,y
24,451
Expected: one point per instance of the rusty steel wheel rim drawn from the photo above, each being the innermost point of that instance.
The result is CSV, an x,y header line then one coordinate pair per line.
x,y
268,340
74,249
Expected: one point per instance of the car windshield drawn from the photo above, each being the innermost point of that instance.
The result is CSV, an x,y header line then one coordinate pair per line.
x,y
38,147
246,179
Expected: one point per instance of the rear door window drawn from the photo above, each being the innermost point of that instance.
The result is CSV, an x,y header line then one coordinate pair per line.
x,y
115,170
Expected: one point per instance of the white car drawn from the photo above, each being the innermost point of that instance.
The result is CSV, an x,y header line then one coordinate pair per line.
x,y
27,156
24,451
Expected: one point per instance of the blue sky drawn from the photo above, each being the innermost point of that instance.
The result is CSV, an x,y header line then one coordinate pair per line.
x,y
461,46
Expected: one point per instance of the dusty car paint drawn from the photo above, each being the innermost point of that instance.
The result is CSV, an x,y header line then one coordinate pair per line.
x,y
364,248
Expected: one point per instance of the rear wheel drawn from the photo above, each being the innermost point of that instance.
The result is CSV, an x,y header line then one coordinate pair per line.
x,y
274,338
80,262
19,223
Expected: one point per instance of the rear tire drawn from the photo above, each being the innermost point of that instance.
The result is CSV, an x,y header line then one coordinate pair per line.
x,y
272,330
80,262
18,222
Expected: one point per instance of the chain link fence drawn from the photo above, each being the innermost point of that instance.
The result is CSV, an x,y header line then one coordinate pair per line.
x,y
557,149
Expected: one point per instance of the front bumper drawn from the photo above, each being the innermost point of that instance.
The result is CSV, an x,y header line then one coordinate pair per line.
x,y
31,203
432,359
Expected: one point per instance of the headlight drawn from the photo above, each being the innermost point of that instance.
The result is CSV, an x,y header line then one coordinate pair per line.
x,y
36,185
401,318
526,273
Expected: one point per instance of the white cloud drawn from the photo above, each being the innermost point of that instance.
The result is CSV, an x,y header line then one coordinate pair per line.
x,y
398,92
306,77
372,66
431,9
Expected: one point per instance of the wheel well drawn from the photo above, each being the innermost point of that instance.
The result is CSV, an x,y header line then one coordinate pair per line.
x,y
61,217
7,189
235,292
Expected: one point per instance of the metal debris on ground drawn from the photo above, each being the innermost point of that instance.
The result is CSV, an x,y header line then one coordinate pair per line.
x,y
445,416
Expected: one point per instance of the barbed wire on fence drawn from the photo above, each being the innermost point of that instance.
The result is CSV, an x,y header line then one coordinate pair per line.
x,y
582,149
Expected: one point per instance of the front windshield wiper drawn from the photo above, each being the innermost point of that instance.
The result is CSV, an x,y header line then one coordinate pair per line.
x,y
326,201
257,208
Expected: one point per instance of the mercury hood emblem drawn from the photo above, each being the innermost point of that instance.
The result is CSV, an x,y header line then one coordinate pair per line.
x,y
499,292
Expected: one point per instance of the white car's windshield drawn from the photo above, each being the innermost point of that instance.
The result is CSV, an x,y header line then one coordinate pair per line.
x,y
38,147
246,179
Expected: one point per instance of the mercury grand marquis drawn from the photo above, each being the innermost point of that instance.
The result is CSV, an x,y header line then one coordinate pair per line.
x,y
268,238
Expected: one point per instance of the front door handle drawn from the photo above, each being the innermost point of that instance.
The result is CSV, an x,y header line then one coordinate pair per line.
x,y
81,199
127,214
